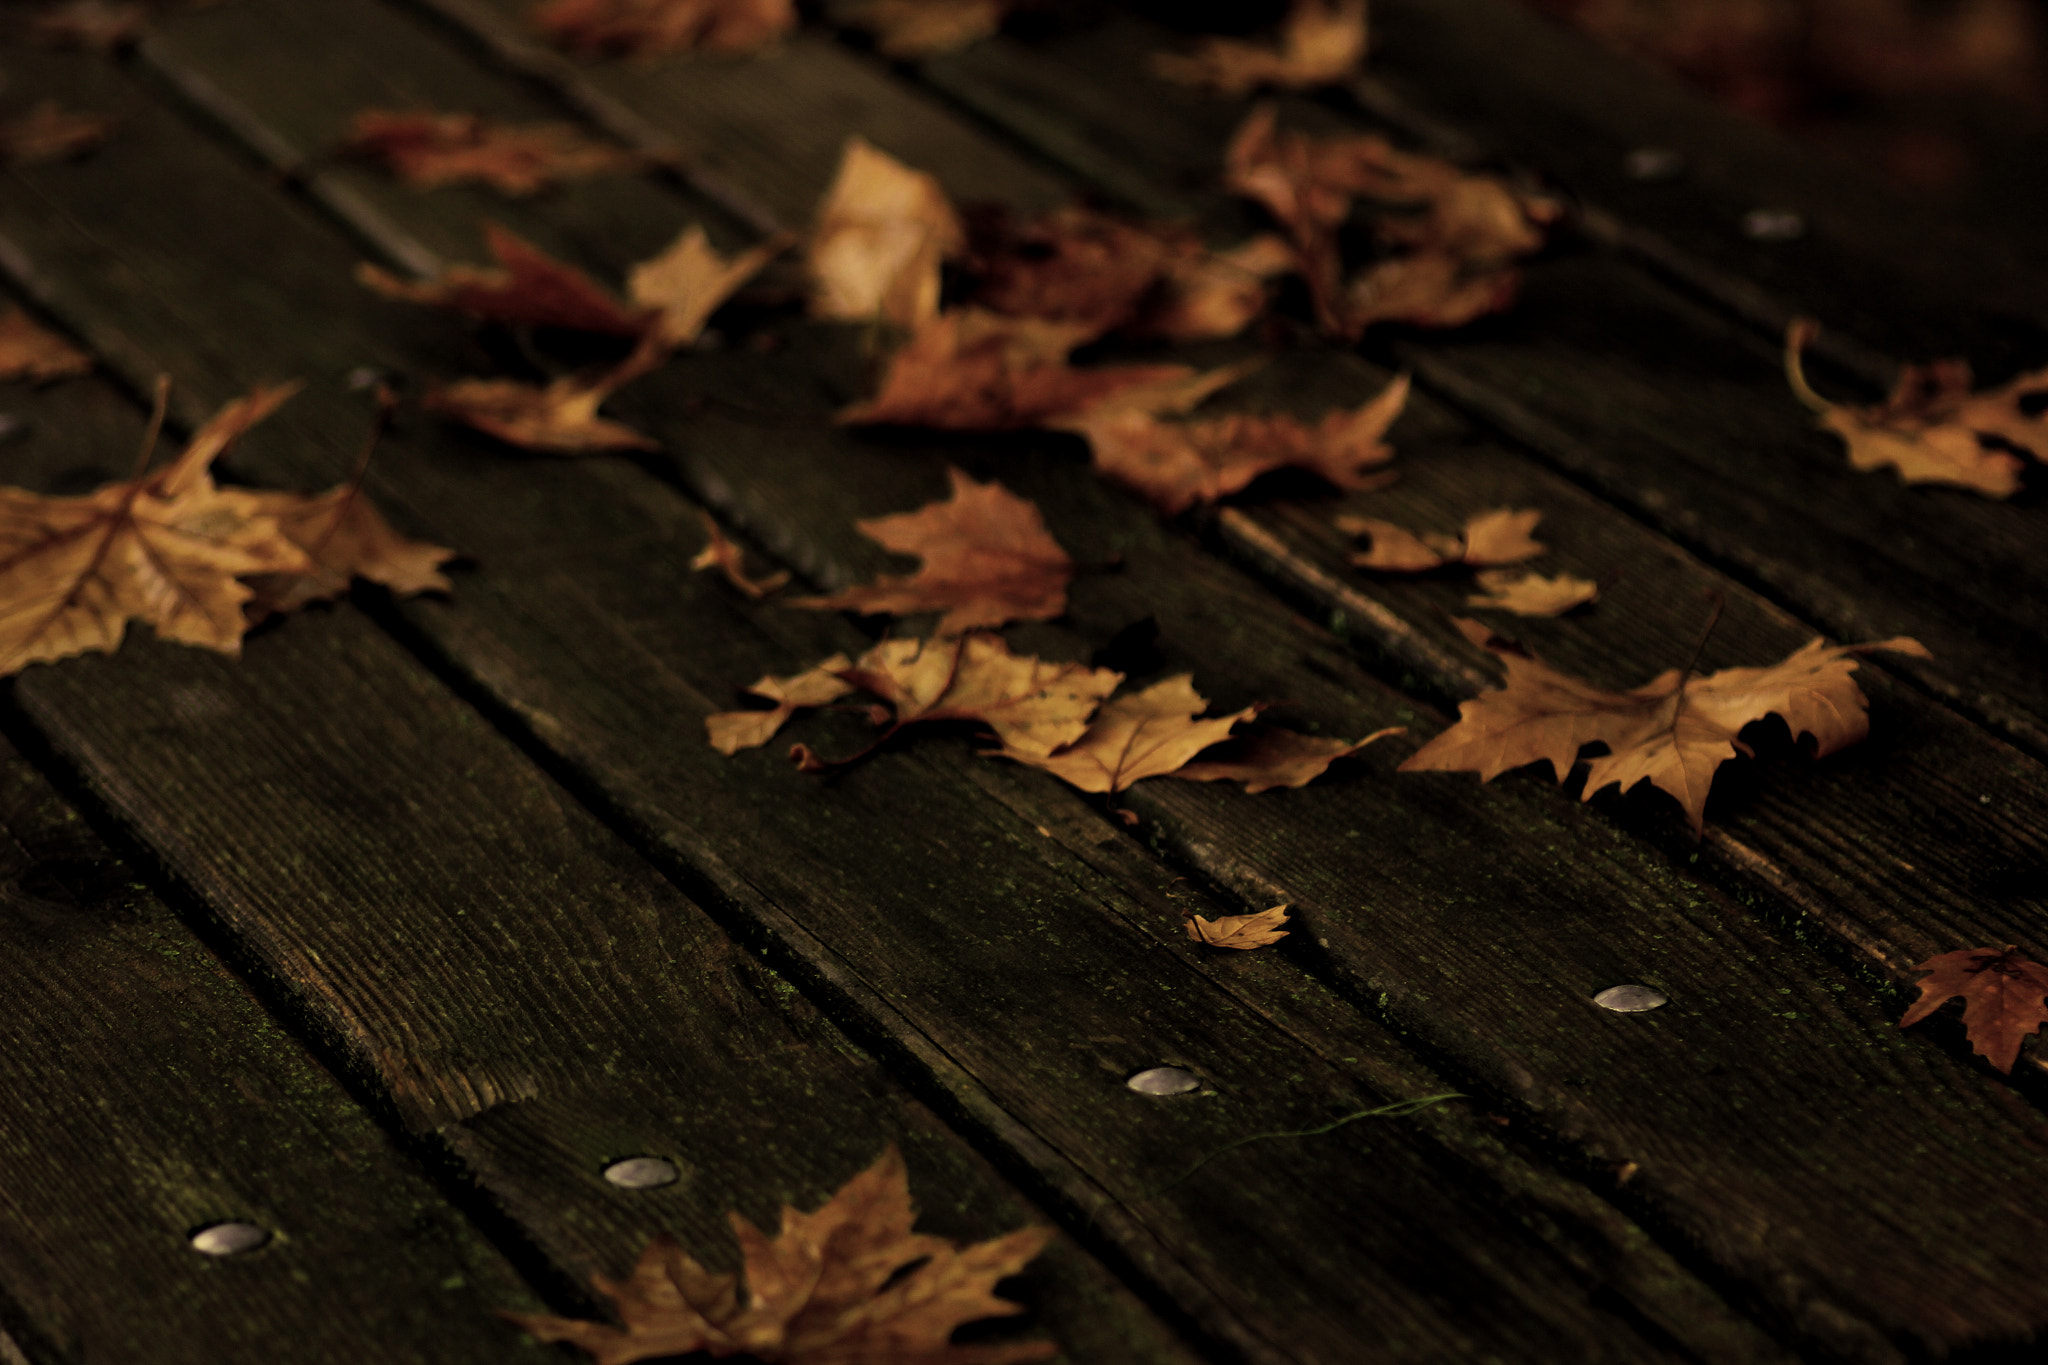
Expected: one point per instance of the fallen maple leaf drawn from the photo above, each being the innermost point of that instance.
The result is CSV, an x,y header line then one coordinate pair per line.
x,y
1178,465
847,1285
426,149
1147,734
882,231
1931,428
1321,42
1498,536
732,731
976,371
1673,731
685,284
1427,289
646,28
344,537
559,417
532,289
1267,757
165,548
925,28
48,133
1214,294
988,560
1532,594
2005,998
35,353
99,25
721,554
1239,931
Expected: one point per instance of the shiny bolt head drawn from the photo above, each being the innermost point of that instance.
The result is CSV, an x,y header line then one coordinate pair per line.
x,y
1165,1080
1630,999
1773,225
642,1173
228,1239
1653,163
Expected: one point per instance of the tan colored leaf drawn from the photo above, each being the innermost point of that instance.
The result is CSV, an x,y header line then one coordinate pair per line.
x,y
721,554
48,133
1239,931
732,731
1215,294
99,25
1673,731
531,289
924,28
1498,536
168,549
1931,429
36,354
975,371
560,417
648,28
2005,998
1267,757
344,537
1033,705
881,234
1427,289
1532,594
1147,734
988,560
850,1284
685,284
1321,42
426,149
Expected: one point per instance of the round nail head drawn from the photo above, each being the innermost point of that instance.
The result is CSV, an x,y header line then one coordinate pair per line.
x,y
228,1239
1653,163
642,1173
1773,225
1165,1080
1630,999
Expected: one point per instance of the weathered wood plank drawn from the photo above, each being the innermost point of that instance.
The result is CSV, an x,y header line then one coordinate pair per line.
x,y
740,462
562,540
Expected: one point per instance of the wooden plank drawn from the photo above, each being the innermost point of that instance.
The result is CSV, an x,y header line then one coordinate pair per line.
x,y
771,475
1099,993
145,1093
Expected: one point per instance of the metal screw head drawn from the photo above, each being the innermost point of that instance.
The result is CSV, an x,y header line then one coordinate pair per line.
x,y
1653,163
1773,225
1630,999
642,1173
228,1239
1164,1080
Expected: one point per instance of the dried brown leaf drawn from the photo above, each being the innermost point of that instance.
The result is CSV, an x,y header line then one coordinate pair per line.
x,y
648,28
36,354
1147,734
1267,757
426,149
925,28
2005,998
48,133
1532,594
731,731
721,554
559,417
882,231
531,289
1321,42
686,283
344,537
1497,536
1033,705
1239,931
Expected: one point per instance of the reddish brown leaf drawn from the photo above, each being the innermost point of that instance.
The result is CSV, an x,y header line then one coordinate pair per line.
x,y
882,232
647,28
426,149
1147,734
48,133
2005,998
988,560
1498,536
1321,42
35,354
531,289
1266,757
1243,932
847,1285
721,554
924,28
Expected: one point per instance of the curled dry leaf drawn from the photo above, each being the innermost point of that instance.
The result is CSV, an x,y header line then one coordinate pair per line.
x,y
988,559
1321,42
648,28
48,133
1267,756
426,149
168,549
530,289
849,1283
1147,734
1931,428
1672,732
924,28
1178,465
560,417
1498,536
1532,594
2005,998
98,25
732,731
35,353
343,537
721,554
1239,931
882,232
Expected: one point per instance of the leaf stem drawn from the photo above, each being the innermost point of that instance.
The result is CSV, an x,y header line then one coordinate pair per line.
x,y
387,403
1798,335
1699,646
158,412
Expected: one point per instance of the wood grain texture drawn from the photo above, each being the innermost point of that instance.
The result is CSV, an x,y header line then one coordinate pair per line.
x,y
586,606
797,490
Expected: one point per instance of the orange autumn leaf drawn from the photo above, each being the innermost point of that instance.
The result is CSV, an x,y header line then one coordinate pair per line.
x,y
2005,998
1498,536
35,353
1532,594
1427,289
1178,465
426,149
344,538
1216,293
988,560
1266,757
721,554
687,282
1147,734
846,1284
1672,732
1931,428
975,371
881,233
559,417
925,28
48,133
530,289
167,548
647,28
1321,42
1243,932
732,731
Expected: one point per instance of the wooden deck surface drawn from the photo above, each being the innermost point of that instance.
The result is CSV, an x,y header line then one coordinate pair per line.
x,y
392,934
